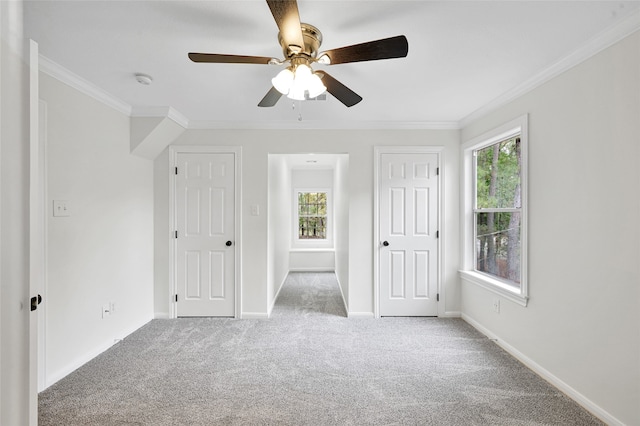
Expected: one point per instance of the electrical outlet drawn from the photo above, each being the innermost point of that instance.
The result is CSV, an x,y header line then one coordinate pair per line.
x,y
105,311
496,305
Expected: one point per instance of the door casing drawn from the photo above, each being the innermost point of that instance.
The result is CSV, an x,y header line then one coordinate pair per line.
x,y
378,151
173,282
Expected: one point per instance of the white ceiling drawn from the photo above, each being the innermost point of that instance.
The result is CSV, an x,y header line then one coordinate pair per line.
x,y
462,55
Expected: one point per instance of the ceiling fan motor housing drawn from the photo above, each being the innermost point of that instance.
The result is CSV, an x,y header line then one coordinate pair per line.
x,y
312,38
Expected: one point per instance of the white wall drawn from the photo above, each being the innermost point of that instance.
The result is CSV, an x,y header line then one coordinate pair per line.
x,y
103,252
582,324
311,255
14,220
358,144
341,224
279,233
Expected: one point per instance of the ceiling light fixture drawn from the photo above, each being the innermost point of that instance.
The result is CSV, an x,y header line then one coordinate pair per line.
x,y
143,79
299,82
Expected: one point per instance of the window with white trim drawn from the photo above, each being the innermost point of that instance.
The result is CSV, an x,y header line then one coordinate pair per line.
x,y
312,215
312,218
495,210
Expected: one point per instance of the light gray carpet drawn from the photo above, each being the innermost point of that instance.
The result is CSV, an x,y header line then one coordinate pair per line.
x,y
307,365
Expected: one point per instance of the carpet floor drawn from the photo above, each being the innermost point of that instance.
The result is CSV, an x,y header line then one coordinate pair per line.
x,y
307,365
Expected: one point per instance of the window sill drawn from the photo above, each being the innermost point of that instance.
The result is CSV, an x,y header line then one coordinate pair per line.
x,y
495,286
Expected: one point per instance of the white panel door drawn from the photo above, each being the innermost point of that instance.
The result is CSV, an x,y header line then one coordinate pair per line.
x,y
408,221
205,214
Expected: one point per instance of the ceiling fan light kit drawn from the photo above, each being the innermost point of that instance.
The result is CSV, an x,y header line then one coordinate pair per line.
x,y
299,83
300,43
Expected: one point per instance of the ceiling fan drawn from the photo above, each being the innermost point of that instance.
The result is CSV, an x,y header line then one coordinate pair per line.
x,y
300,43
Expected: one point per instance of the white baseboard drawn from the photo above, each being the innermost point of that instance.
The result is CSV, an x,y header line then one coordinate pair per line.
x,y
313,269
585,402
81,360
451,314
344,301
360,315
254,315
161,315
273,302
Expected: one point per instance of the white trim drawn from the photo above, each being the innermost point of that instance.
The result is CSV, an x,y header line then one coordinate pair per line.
x,y
161,315
377,151
254,315
62,74
323,125
174,150
313,250
313,269
546,374
273,302
596,44
360,315
42,331
344,300
518,126
36,238
451,314
298,244
495,286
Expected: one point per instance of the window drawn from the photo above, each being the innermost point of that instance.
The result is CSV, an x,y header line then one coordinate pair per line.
x,y
495,211
312,215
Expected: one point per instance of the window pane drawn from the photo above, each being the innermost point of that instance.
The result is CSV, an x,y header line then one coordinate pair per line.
x,y
498,244
498,175
312,212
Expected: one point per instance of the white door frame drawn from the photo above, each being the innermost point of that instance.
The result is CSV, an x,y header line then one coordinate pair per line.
x,y
377,153
173,163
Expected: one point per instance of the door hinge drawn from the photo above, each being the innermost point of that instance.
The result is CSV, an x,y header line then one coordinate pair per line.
x,y
176,298
176,234
438,297
438,171
437,234
176,170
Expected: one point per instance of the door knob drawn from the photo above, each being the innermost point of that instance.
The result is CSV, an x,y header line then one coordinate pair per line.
x,y
385,243
228,243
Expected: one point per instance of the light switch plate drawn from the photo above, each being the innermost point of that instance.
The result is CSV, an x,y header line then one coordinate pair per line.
x,y
61,208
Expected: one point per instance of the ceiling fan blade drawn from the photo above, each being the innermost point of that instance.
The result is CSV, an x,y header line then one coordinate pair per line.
x,y
386,48
271,98
339,90
287,17
228,59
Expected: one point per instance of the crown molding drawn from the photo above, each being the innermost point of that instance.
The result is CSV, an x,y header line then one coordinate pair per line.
x,y
62,74
601,41
323,125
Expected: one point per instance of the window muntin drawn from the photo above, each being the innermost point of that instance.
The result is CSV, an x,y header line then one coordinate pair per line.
x,y
312,215
497,210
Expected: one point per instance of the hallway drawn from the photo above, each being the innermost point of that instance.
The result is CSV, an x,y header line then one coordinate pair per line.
x,y
309,294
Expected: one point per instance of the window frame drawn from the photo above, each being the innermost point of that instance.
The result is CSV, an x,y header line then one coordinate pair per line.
x,y
517,127
298,242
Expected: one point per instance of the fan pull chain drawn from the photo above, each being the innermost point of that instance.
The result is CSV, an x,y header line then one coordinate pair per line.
x,y
293,107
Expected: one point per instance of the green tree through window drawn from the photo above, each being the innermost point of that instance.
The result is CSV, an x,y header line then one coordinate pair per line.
x,y
312,215
498,209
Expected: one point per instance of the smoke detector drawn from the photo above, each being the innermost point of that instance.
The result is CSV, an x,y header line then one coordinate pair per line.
x,y
143,79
